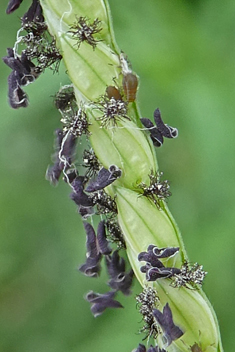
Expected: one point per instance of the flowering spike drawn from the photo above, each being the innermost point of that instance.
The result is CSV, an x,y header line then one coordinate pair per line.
x,y
135,204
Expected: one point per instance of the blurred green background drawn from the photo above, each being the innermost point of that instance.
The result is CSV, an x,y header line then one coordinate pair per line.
x,y
184,53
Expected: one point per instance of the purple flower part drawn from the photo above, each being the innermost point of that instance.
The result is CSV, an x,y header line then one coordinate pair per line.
x,y
99,302
53,173
144,269
154,274
147,123
23,68
151,258
13,5
103,243
91,244
67,147
92,267
63,156
34,13
155,134
81,199
152,349
164,252
140,348
105,178
17,97
70,175
119,280
155,349
165,320
78,195
78,184
115,264
157,139
85,212
166,131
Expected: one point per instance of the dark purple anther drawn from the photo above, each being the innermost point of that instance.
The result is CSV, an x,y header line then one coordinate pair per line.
x,y
154,273
165,320
140,348
105,178
22,67
13,5
34,13
166,131
92,266
78,195
17,97
99,302
155,134
65,146
119,280
150,258
103,243
163,252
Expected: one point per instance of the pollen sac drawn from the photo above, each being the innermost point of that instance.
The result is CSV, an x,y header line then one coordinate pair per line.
x,y
92,266
65,147
155,273
155,134
154,268
33,19
103,244
165,320
17,97
22,67
13,5
78,195
83,31
166,131
130,86
23,73
99,302
160,130
96,247
119,280
105,178
140,348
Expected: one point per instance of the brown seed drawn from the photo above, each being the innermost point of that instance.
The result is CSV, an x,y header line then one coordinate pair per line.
x,y
130,85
